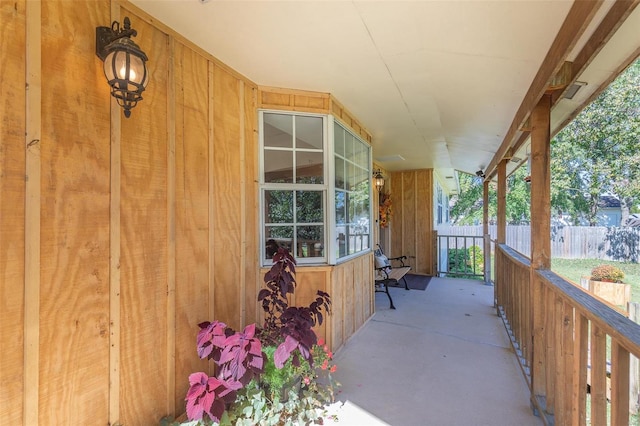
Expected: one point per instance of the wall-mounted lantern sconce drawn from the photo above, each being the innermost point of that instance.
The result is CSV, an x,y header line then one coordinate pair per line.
x,y
378,180
124,63
480,174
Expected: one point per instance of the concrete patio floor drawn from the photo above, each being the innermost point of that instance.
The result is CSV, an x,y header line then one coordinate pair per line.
x,y
441,358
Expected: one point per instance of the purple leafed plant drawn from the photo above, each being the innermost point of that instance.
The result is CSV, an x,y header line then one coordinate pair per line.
x,y
209,395
239,355
296,327
291,323
279,282
211,339
242,357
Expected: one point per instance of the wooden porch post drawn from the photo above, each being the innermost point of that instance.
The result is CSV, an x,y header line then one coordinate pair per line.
x,y
485,232
502,202
540,247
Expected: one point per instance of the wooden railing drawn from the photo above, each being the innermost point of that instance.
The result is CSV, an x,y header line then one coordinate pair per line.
x,y
512,288
460,255
563,336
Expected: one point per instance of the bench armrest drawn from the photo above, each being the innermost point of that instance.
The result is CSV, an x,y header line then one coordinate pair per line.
x,y
384,272
401,259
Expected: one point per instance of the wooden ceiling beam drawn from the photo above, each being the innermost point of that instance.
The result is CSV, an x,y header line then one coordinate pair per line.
x,y
597,92
612,21
562,78
574,25
618,13
520,141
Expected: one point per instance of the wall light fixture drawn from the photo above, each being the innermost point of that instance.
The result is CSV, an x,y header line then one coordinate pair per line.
x,y
378,180
124,63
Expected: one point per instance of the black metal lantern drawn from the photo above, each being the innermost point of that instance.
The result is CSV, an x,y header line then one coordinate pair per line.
x,y
378,180
124,63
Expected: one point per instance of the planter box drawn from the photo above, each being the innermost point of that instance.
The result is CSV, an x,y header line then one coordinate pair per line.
x,y
615,294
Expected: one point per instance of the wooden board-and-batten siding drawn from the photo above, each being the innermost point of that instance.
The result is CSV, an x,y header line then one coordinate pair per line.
x,y
411,225
118,236
352,297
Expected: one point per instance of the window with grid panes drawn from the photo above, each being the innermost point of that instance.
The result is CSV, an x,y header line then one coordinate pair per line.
x,y
296,180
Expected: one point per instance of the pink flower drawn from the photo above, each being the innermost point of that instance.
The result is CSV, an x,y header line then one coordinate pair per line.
x,y
306,380
333,369
320,341
325,364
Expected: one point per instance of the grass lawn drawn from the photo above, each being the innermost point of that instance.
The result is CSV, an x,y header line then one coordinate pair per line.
x,y
573,269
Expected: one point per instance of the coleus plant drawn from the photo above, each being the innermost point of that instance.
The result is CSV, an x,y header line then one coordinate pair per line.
x,y
291,323
239,355
239,358
209,395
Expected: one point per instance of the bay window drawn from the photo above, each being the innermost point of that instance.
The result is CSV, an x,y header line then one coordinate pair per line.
x,y
308,159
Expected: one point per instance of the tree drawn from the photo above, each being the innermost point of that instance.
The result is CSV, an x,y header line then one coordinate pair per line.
x,y
467,208
518,198
597,153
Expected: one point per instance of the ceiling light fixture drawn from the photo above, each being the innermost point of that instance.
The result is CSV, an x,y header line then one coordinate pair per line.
x,y
573,89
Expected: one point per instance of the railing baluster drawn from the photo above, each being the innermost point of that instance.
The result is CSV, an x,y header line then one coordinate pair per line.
x,y
581,347
598,376
448,260
567,378
528,327
619,385
551,336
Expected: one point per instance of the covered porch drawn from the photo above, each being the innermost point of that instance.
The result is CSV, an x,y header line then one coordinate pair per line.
x,y
443,357
120,235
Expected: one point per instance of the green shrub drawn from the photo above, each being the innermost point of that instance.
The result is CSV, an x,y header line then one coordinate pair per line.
x,y
476,257
608,273
465,262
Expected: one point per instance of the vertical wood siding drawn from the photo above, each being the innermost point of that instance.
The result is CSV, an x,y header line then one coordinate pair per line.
x,y
132,231
74,236
228,142
350,286
412,222
192,209
144,240
127,211
12,210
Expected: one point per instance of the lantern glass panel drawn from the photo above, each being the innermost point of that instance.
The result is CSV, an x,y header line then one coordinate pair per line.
x,y
115,67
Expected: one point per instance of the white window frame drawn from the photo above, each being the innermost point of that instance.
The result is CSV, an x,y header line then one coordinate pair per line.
x,y
292,186
333,259
328,189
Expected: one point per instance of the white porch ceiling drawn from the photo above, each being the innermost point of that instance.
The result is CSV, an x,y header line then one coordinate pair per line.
x,y
436,82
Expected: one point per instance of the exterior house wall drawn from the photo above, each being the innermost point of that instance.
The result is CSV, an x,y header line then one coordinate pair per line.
x,y
412,224
350,283
119,236
609,216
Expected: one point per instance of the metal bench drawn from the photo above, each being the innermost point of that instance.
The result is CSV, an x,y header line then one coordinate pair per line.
x,y
386,274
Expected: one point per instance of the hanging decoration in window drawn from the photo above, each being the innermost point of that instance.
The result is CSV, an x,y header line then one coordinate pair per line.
x,y
385,209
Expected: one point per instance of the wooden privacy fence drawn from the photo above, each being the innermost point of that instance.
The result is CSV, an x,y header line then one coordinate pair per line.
x,y
568,242
561,334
